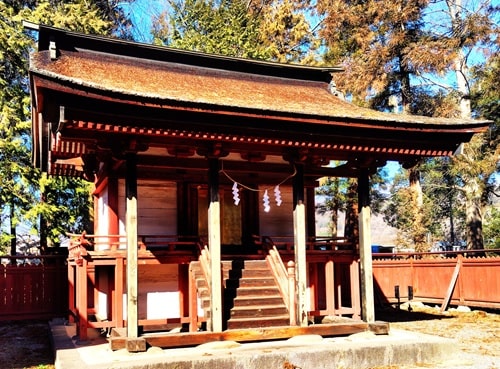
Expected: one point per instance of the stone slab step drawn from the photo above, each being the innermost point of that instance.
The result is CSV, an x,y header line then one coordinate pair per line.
x,y
251,282
255,291
258,311
258,300
261,322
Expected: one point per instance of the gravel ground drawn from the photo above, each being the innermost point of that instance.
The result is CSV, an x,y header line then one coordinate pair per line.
x,y
476,333
27,344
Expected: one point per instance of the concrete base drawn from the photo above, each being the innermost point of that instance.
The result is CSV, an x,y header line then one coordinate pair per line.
x,y
361,350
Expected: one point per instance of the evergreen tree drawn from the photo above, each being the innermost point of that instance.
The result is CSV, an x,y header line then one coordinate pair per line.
x,y
219,27
268,30
333,191
18,178
286,33
373,41
413,224
386,46
479,164
20,194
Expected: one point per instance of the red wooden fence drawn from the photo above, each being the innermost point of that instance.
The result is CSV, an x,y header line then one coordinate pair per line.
x,y
37,287
33,287
477,283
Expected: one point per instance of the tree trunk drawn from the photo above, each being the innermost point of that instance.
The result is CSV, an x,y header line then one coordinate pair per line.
x,y
472,188
414,179
474,217
13,234
463,86
43,235
43,230
456,10
405,86
418,231
335,218
351,229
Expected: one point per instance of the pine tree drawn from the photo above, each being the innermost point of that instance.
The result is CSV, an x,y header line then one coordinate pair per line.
x,y
480,160
268,30
373,41
18,179
20,187
386,46
219,27
333,190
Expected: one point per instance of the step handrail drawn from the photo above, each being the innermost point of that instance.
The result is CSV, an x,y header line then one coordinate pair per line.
x,y
285,277
205,262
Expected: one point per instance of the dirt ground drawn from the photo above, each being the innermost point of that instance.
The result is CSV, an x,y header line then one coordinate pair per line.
x,y
476,332
27,344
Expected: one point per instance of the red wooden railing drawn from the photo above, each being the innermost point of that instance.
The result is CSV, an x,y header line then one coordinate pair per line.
x,y
333,272
171,243
205,264
33,287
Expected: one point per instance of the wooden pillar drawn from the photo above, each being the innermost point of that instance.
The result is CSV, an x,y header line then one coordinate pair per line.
x,y
82,300
214,240
92,292
118,300
365,251
113,218
193,303
131,228
339,284
71,290
355,300
330,286
299,231
313,287
183,286
311,212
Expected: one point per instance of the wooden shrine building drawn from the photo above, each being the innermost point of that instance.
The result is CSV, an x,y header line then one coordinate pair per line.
x,y
204,169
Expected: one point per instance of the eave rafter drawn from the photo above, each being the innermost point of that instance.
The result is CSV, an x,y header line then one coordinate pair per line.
x,y
96,138
247,143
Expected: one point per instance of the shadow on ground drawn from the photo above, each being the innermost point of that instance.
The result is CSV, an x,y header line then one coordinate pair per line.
x,y
393,315
26,344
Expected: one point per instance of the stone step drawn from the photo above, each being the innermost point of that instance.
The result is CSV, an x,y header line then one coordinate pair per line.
x,y
252,298
258,301
245,264
248,273
262,322
270,290
251,282
257,311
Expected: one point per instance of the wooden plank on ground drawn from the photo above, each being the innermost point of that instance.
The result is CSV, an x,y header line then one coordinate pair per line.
x,y
170,340
453,282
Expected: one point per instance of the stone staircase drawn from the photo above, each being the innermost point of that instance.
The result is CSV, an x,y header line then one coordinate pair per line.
x,y
251,296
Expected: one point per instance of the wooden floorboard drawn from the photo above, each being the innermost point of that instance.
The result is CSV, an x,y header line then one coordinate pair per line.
x,y
118,338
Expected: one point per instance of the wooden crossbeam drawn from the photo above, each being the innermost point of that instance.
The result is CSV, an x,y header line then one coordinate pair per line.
x,y
118,337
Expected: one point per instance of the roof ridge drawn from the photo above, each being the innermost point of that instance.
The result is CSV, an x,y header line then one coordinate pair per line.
x,y
65,39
